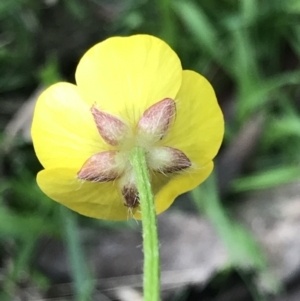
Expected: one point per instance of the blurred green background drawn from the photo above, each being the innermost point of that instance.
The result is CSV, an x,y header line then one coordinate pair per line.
x,y
248,49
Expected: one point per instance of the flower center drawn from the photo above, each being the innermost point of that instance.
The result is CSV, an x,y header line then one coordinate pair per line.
x,y
115,165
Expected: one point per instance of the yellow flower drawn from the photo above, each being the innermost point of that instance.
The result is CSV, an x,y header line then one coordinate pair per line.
x,y
131,91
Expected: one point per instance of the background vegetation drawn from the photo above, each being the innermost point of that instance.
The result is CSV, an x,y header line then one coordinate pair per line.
x,y
248,49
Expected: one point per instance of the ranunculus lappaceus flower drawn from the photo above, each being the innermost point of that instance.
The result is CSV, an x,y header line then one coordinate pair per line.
x,y
130,91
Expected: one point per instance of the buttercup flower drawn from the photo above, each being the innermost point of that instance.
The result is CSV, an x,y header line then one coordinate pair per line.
x,y
131,91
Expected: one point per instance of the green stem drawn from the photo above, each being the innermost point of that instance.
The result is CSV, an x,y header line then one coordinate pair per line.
x,y
150,237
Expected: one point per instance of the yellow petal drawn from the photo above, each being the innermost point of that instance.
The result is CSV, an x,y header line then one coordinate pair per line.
x,y
177,185
97,200
126,75
198,128
63,131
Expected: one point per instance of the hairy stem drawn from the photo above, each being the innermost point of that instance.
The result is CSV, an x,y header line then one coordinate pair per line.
x,y
149,223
